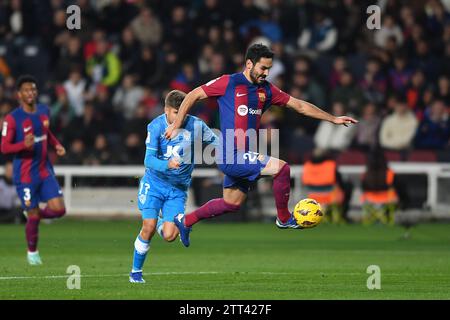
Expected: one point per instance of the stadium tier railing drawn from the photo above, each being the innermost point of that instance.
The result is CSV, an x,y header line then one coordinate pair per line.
x,y
110,200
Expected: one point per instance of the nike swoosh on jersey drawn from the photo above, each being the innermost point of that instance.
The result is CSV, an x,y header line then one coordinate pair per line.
x,y
240,94
27,129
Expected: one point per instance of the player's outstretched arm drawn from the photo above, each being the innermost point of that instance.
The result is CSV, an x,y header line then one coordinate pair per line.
x,y
310,110
190,99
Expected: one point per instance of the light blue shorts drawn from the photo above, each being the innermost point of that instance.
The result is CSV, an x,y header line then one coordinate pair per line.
x,y
156,195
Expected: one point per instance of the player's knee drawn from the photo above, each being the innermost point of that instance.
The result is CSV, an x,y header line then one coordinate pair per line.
x,y
60,212
282,164
170,236
33,212
283,169
233,207
170,232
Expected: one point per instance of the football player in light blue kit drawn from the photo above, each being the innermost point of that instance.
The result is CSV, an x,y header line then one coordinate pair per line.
x,y
168,169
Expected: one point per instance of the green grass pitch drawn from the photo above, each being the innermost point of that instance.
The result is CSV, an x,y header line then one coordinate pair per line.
x,y
230,261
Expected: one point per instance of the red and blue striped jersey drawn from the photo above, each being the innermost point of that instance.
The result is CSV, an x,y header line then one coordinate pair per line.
x,y
30,165
241,104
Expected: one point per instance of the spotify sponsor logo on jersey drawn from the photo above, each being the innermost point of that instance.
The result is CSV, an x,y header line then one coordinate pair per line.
x,y
243,110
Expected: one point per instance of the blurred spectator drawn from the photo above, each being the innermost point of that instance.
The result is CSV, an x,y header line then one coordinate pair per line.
x,y
129,50
70,57
186,79
10,210
339,67
137,124
434,129
75,88
147,27
320,36
101,153
348,21
388,29
415,93
310,90
133,151
366,136
398,129
205,58
90,45
210,13
374,82
62,111
232,44
85,127
104,66
263,26
127,97
151,103
443,90
4,69
104,111
437,17
148,68
278,67
179,33
400,75
16,17
425,60
331,137
116,15
349,93
76,154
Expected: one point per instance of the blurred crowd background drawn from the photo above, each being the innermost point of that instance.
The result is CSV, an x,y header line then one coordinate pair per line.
x,y
106,81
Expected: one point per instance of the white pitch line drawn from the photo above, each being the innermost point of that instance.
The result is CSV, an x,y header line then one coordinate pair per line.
x,y
212,272
104,275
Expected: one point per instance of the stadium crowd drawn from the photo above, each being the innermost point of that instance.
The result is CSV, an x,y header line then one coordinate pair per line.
x,y
105,81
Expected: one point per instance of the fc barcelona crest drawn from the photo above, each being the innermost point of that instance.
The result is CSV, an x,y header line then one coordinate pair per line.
x,y
262,96
45,123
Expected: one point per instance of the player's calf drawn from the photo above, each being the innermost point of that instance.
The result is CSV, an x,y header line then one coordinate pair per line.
x,y
212,208
281,192
148,229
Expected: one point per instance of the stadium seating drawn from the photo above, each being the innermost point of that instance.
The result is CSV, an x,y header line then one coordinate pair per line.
x,y
351,157
393,156
422,156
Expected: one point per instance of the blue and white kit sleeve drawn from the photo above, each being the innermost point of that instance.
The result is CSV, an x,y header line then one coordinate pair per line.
x,y
209,137
152,146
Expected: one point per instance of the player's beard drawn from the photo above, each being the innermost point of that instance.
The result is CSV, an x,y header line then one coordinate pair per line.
x,y
255,77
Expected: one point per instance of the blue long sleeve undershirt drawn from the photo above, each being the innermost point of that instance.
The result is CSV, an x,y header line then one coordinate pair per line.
x,y
151,161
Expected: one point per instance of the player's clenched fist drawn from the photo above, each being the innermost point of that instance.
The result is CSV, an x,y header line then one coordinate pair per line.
x,y
29,140
60,150
174,163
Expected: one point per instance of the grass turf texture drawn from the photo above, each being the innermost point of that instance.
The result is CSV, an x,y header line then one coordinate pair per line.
x,y
239,261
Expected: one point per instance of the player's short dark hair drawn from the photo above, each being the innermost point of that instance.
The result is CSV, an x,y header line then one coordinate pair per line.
x,y
257,51
174,99
26,78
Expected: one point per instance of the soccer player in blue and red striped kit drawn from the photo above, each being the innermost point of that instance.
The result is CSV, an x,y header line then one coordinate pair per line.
x,y
243,97
26,134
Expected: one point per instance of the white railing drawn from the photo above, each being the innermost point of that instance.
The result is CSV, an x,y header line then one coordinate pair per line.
x,y
110,200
